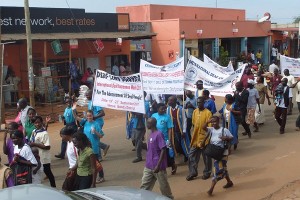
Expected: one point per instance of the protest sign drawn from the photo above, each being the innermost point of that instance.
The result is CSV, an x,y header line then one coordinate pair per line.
x,y
198,70
219,84
167,79
119,92
227,70
292,64
225,86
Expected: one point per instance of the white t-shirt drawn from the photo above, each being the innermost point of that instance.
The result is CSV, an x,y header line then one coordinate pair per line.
x,y
274,51
26,153
280,103
291,80
216,134
42,137
272,67
71,154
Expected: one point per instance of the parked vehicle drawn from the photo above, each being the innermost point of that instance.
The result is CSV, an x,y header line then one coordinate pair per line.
x,y
42,192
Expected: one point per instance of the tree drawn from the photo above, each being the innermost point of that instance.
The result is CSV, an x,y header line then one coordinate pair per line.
x,y
296,20
223,57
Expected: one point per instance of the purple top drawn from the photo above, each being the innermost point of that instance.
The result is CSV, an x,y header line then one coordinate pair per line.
x,y
10,181
10,150
156,143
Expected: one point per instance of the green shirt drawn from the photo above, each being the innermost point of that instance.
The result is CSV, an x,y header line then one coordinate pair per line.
x,y
84,164
29,127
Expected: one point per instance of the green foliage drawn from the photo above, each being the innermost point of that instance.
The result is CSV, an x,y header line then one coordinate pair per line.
x,y
223,57
296,19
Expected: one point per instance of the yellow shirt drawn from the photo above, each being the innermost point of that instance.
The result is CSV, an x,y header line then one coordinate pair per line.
x,y
198,120
258,55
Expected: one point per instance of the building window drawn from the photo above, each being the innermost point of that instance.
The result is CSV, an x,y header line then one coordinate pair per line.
x,y
162,15
211,17
195,16
238,18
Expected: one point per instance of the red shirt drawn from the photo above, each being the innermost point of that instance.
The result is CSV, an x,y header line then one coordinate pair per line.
x,y
245,78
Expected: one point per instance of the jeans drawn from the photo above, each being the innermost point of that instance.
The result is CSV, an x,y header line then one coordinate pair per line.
x,y
138,136
49,174
102,146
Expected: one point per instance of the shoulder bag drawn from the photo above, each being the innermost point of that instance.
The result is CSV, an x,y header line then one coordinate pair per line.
x,y
214,151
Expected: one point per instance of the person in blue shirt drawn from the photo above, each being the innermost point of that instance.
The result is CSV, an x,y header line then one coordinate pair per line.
x,y
69,121
93,132
165,125
209,103
98,113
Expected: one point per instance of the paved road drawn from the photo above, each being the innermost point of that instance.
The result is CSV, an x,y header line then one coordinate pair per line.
x,y
260,166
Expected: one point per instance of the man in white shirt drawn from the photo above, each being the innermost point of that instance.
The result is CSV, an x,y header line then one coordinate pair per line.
x,y
290,83
272,67
115,70
274,53
282,99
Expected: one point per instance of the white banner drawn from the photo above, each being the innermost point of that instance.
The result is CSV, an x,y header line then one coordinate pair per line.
x,y
198,70
292,64
227,70
119,92
167,79
219,84
225,86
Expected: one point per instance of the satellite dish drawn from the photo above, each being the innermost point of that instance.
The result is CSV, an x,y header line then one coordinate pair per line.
x,y
266,17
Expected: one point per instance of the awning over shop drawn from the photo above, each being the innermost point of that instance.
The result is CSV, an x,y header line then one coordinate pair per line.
x,y
86,35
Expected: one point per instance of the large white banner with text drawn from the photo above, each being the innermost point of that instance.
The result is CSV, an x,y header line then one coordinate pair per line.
x,y
167,79
227,70
225,86
216,82
198,70
119,92
292,64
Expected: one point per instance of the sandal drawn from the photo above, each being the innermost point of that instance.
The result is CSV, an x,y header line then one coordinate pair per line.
x,y
228,185
174,169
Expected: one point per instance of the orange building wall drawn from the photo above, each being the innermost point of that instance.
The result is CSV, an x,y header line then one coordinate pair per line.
x,y
223,29
167,40
146,13
15,55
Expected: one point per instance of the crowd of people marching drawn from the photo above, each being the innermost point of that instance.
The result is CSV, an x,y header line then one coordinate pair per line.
x,y
190,125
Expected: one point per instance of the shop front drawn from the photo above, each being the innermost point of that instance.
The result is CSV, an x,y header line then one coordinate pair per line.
x,y
95,40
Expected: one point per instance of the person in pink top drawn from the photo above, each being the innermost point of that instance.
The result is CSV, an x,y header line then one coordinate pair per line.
x,y
246,76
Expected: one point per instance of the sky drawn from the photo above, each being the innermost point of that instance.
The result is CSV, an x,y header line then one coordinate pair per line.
x,y
282,11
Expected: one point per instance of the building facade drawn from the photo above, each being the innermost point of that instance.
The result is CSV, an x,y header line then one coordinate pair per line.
x,y
197,30
97,40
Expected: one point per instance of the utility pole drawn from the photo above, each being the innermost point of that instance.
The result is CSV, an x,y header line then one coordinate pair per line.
x,y
29,53
2,114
